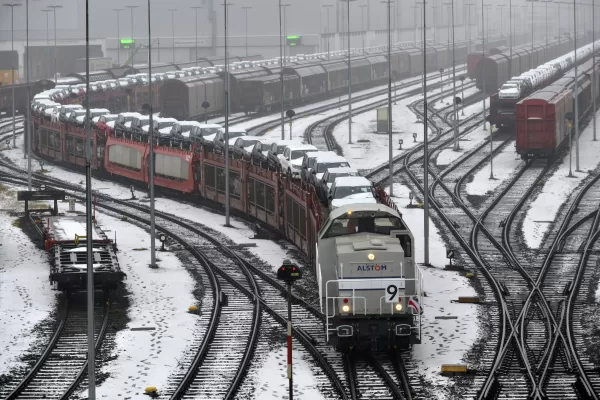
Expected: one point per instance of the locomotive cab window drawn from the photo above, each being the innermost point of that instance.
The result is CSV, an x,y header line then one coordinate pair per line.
x,y
348,225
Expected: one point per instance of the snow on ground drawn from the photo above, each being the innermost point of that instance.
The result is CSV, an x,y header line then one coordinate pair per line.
x,y
505,164
375,150
26,297
447,99
444,341
272,380
159,299
467,142
558,187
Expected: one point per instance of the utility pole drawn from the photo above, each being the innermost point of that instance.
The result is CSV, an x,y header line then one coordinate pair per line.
x,y
227,104
362,25
425,145
390,124
196,8
510,41
55,49
327,7
501,7
172,10
28,114
47,38
12,49
88,218
576,119
246,8
281,73
349,78
455,122
285,48
593,63
118,10
469,5
132,39
151,140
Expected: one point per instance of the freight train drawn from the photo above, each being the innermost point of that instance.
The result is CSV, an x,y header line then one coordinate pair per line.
x,y
503,103
182,90
292,208
494,70
541,120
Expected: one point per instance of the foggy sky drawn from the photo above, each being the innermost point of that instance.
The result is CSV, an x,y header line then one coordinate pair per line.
x,y
303,17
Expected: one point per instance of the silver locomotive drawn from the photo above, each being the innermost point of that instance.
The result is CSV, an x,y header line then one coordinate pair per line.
x,y
369,283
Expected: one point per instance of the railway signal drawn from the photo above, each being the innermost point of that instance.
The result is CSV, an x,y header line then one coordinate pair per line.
x,y
450,255
289,273
206,106
290,114
163,238
132,188
400,141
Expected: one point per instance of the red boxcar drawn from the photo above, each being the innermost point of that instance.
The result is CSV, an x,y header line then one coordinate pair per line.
x,y
541,124
472,60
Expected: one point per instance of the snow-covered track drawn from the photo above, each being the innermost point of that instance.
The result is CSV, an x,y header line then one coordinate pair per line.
x,y
439,142
373,378
63,364
320,133
526,340
261,129
562,274
308,321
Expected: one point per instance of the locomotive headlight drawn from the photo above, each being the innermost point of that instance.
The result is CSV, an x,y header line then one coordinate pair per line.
x,y
346,308
371,257
399,307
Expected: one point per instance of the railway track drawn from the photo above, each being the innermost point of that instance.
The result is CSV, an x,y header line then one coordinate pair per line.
x,y
263,128
528,320
307,319
63,364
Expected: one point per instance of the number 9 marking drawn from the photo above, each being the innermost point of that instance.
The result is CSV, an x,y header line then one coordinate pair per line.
x,y
392,290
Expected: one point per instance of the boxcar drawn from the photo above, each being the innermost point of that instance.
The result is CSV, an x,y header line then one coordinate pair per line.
x,y
182,98
492,71
263,94
541,124
337,75
379,67
313,80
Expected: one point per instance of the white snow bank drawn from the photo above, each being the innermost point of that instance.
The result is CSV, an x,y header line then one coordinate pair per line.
x,y
26,297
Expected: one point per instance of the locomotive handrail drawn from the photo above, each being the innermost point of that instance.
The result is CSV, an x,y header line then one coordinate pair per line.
x,y
353,297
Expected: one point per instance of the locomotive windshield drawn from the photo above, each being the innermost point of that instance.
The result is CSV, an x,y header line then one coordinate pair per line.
x,y
358,224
